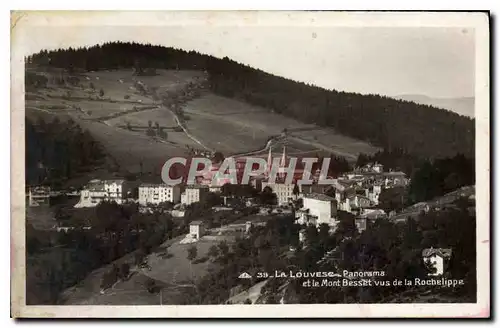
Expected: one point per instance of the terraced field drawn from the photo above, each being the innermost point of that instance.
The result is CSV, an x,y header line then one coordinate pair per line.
x,y
87,107
165,118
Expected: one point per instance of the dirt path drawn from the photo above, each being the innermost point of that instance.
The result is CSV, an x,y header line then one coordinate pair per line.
x,y
323,147
190,136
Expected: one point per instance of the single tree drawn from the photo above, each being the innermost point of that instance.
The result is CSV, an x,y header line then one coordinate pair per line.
x,y
223,248
151,286
213,252
124,271
192,253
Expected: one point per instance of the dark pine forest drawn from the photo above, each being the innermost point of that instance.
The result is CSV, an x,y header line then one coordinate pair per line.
x,y
421,130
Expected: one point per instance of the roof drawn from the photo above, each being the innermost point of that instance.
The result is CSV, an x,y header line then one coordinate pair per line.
x,y
196,223
118,181
372,215
197,187
95,185
395,173
319,197
443,252
314,188
150,185
359,196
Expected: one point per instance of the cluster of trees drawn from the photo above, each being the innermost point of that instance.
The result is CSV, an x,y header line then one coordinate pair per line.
x,y
338,165
430,178
396,159
59,150
440,176
260,252
395,249
34,80
116,273
157,131
380,120
393,199
116,230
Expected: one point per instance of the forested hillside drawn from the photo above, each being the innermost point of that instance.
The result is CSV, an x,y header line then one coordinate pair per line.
x,y
385,122
58,150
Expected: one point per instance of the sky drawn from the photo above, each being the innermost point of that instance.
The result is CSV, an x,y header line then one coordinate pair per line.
x,y
432,61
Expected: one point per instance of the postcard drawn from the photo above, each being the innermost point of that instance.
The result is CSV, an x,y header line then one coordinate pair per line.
x,y
250,164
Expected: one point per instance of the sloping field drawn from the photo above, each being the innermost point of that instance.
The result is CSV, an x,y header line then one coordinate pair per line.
x,y
130,148
83,104
117,84
86,109
230,126
174,274
178,270
236,126
165,118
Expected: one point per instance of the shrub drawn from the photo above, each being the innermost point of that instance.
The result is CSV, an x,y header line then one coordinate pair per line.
x,y
200,260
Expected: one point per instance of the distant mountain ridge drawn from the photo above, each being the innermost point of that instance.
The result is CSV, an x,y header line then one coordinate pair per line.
x,y
460,105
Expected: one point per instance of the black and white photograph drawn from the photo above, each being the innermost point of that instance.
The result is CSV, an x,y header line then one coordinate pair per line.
x,y
258,162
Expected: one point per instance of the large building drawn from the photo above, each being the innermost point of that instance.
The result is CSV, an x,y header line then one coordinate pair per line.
x,y
96,191
153,193
317,209
284,192
194,193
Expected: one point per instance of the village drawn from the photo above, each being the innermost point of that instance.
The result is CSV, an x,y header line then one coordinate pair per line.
x,y
355,192
312,205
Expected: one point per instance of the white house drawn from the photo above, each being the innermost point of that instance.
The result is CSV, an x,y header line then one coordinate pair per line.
x,y
39,195
317,209
395,178
437,258
215,189
373,193
96,191
194,193
196,229
378,168
302,235
150,193
355,203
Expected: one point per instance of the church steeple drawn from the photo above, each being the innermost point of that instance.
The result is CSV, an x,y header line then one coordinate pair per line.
x,y
269,160
283,158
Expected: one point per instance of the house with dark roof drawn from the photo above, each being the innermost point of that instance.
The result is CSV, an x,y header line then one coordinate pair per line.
x,y
436,259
